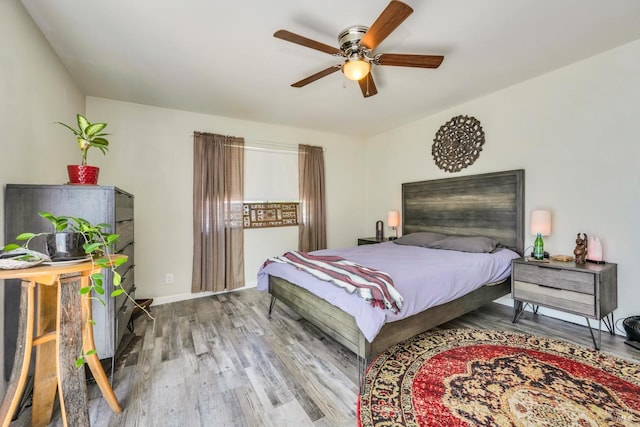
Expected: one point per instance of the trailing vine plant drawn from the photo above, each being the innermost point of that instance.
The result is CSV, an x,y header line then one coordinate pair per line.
x,y
97,246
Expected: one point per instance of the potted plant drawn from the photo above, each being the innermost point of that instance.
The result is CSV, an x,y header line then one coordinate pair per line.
x,y
88,135
72,236
63,245
96,244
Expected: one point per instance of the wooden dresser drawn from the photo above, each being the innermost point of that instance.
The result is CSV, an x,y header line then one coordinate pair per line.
x,y
97,204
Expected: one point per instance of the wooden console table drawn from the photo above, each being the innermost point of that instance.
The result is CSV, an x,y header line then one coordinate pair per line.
x,y
58,315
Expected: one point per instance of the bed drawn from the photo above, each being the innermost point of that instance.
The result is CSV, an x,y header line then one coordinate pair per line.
x,y
488,205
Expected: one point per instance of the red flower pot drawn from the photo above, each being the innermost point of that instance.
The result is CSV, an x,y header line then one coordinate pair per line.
x,y
83,174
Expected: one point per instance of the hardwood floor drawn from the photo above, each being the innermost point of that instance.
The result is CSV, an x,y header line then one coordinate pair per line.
x,y
220,361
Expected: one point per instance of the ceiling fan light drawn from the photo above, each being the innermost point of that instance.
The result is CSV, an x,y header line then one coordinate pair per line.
x,y
356,69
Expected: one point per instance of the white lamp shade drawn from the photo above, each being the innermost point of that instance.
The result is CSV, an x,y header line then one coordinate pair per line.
x,y
393,219
541,222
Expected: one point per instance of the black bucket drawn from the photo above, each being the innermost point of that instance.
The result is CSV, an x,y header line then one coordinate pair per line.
x,y
632,328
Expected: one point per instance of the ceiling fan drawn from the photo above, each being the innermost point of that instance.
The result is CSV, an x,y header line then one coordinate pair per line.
x,y
356,47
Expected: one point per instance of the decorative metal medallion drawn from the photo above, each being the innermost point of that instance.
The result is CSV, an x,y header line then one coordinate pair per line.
x,y
458,143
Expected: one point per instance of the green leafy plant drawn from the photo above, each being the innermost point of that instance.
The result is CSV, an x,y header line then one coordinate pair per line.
x,y
97,244
89,135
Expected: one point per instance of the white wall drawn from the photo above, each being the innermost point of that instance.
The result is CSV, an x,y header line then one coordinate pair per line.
x,y
574,131
36,91
151,156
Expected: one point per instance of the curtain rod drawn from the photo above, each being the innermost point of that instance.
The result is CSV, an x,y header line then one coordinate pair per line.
x,y
251,142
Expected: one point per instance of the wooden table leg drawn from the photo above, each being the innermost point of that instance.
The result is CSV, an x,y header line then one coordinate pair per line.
x,y
45,374
72,335
93,361
72,386
22,357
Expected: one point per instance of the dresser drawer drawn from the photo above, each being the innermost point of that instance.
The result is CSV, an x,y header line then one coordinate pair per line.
x,y
569,280
123,316
562,299
128,251
124,206
125,230
128,280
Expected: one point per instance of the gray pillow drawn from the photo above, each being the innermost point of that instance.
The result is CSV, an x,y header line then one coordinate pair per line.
x,y
421,238
476,244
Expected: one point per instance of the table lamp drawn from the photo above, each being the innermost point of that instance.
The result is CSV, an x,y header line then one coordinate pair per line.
x,y
393,219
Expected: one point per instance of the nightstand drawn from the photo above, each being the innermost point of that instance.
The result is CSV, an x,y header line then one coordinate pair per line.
x,y
370,240
589,290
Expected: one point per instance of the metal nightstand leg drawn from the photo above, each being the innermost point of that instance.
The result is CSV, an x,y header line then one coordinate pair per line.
x,y
271,304
519,308
608,322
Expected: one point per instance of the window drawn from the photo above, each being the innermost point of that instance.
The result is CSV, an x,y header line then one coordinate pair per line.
x,y
270,188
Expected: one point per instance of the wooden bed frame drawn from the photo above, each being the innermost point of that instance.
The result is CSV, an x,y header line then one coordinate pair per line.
x,y
489,204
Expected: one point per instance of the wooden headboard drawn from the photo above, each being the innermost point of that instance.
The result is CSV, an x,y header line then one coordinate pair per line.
x,y
490,204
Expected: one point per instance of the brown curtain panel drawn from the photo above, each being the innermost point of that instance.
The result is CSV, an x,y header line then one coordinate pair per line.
x,y
313,217
218,241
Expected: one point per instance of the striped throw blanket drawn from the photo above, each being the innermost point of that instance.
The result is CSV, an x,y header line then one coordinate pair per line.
x,y
371,285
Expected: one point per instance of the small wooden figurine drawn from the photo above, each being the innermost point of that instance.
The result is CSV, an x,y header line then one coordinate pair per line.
x,y
580,251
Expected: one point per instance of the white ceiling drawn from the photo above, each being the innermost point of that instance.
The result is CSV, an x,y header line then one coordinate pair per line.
x,y
220,57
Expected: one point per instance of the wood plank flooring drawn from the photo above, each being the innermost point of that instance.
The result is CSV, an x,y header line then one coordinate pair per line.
x,y
221,361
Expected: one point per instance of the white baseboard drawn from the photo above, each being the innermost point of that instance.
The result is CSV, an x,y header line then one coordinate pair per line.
x,y
183,297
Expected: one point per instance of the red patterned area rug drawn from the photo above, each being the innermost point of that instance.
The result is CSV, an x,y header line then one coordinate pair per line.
x,y
473,377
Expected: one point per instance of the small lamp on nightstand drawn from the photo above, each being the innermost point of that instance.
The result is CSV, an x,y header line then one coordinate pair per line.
x,y
541,225
393,219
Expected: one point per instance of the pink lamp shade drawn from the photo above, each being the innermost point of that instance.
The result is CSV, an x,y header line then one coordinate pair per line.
x,y
541,222
393,219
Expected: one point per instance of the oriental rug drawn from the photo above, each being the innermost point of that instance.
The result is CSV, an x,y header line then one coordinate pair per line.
x,y
473,377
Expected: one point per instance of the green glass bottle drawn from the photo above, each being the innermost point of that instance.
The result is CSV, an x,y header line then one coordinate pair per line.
x,y
538,248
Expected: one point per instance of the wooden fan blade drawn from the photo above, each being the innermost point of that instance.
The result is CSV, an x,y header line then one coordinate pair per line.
x,y
367,86
390,18
317,76
303,41
404,60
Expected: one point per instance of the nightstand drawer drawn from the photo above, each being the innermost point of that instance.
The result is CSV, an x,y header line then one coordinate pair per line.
x,y
569,280
562,299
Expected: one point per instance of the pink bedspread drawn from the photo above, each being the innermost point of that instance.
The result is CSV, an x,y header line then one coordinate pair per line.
x,y
424,277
